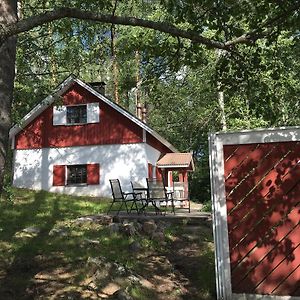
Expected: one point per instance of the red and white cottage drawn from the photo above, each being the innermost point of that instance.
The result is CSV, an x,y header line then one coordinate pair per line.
x,y
76,139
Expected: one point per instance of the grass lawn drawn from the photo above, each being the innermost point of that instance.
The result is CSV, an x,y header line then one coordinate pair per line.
x,y
46,252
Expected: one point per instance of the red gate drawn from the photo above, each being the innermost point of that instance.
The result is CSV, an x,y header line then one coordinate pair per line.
x,y
256,197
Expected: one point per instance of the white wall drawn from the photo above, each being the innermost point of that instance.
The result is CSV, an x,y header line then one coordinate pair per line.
x,y
33,168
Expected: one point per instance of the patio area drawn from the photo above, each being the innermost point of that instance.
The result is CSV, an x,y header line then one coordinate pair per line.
x,y
182,216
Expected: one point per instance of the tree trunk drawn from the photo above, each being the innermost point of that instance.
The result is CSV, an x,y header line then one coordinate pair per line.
x,y
222,108
115,69
8,14
138,80
221,95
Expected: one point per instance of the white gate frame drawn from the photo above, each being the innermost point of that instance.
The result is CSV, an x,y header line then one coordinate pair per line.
x,y
219,210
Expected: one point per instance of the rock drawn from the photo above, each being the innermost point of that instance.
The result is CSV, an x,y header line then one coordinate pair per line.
x,y
134,247
84,220
116,219
111,289
32,230
122,295
129,229
58,231
119,270
100,219
104,219
158,236
162,225
92,242
92,286
101,275
114,228
133,279
138,227
95,264
149,227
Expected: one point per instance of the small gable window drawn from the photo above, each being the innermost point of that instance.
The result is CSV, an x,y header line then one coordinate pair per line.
x,y
76,174
76,114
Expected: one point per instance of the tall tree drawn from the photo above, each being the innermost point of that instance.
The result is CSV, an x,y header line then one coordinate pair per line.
x,y
8,16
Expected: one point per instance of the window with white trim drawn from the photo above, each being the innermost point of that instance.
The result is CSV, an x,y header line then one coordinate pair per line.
x,y
76,114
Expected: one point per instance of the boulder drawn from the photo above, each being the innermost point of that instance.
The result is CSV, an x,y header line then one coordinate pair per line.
x,y
122,295
134,247
114,228
149,227
32,230
158,236
129,229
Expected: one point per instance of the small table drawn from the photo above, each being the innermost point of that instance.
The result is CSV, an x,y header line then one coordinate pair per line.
x,y
142,192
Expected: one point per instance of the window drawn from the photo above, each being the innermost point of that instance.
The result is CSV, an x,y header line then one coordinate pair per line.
x,y
76,114
85,174
76,174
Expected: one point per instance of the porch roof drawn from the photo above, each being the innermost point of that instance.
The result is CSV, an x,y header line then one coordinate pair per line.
x,y
176,161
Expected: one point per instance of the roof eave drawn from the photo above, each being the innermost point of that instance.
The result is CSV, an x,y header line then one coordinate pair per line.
x,y
38,109
173,166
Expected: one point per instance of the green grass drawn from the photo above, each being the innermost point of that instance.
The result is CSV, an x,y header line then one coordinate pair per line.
x,y
24,255
44,211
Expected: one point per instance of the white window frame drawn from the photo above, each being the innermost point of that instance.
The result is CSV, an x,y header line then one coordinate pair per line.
x,y
60,114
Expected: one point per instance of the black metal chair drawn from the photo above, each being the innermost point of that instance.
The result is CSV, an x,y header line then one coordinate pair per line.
x,y
140,191
122,198
158,196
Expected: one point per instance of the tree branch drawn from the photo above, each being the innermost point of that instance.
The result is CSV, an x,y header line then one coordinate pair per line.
x,y
66,12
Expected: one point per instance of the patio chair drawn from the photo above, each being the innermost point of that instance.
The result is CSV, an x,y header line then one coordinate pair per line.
x,y
181,196
122,198
158,196
140,191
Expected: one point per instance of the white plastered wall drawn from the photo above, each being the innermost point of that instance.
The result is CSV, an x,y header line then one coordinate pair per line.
x,y
33,168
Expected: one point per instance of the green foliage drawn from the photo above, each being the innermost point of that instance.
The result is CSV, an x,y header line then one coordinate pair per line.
x,y
8,193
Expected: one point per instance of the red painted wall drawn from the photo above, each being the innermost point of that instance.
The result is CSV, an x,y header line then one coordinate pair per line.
x,y
113,128
152,141
262,184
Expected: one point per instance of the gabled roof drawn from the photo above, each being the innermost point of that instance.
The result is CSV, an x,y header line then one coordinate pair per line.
x,y
176,160
61,89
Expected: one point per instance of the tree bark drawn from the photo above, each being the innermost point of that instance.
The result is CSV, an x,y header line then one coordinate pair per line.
x,y
221,96
138,80
8,15
115,69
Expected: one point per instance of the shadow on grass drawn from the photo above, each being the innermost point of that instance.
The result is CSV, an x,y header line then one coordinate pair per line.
x,y
22,253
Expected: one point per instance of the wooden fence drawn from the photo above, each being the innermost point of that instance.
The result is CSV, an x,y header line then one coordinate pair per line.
x,y
255,180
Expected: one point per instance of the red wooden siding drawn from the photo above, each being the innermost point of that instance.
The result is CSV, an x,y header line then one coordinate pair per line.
x,y
113,128
262,184
93,174
150,171
59,175
152,141
158,174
